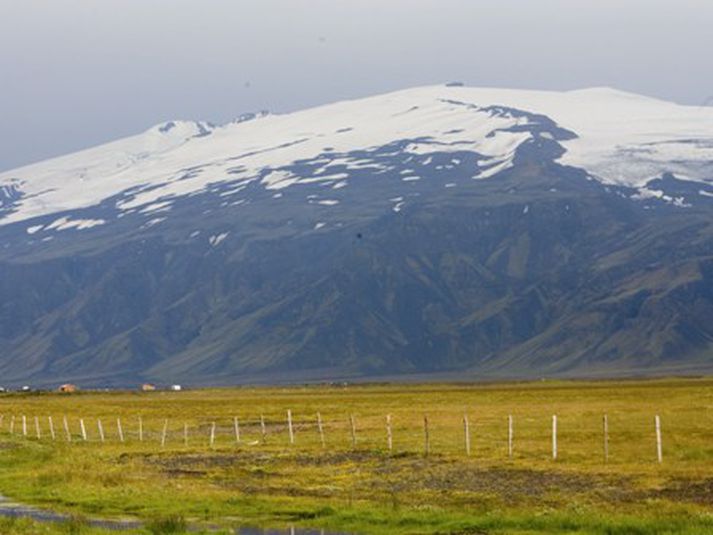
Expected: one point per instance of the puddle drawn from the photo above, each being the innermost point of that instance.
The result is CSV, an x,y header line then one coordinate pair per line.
x,y
10,509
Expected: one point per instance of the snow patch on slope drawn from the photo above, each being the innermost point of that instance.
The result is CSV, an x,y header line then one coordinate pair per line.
x,y
216,239
65,223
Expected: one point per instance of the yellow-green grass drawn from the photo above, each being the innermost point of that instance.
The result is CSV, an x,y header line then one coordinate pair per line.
x,y
366,488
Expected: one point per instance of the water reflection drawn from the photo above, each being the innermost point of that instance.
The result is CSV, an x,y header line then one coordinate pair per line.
x,y
10,509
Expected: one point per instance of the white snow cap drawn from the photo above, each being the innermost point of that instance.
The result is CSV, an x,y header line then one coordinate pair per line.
x,y
622,138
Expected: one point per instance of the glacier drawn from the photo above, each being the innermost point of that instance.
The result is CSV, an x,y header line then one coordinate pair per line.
x,y
618,138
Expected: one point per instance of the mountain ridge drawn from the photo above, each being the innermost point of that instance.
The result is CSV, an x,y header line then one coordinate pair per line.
x,y
455,239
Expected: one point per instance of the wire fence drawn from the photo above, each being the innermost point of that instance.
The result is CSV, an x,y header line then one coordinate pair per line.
x,y
561,438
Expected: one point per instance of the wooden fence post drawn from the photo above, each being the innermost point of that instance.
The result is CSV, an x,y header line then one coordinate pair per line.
x,y
24,426
236,427
554,437
263,429
37,428
320,428
141,429
605,423
426,436
163,433
120,430
100,427
352,422
510,436
84,430
2,417
66,428
12,424
389,434
51,425
212,434
466,432
289,427
659,449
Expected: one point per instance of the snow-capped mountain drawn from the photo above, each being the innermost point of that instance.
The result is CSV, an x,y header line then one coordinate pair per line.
x,y
617,138
441,229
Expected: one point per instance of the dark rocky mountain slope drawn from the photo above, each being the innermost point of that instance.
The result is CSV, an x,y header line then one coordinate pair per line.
x,y
538,270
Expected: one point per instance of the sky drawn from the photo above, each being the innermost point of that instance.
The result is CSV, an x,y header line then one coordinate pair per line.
x,y
77,73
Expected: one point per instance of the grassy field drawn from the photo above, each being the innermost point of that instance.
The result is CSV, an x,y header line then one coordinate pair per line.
x,y
365,487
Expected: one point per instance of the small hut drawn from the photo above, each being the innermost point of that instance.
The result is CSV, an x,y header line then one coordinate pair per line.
x,y
148,387
68,388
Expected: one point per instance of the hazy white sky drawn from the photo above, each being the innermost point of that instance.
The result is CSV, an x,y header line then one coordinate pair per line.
x,y
74,73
